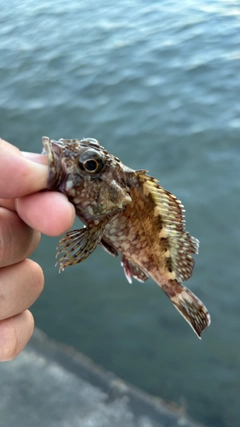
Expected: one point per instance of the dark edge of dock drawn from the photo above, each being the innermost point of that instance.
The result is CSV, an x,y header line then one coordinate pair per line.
x,y
141,406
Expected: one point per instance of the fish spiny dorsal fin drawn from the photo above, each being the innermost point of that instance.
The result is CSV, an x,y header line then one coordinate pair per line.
x,y
172,234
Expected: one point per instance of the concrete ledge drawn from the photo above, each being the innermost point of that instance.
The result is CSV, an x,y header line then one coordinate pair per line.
x,y
51,384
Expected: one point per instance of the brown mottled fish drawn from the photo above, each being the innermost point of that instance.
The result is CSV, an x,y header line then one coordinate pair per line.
x,y
125,211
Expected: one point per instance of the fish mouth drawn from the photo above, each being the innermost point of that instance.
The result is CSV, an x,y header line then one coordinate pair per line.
x,y
54,154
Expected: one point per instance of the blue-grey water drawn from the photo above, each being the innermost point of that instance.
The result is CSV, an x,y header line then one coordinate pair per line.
x,y
158,83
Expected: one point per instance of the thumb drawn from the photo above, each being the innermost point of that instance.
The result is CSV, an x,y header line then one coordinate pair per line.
x,y
20,176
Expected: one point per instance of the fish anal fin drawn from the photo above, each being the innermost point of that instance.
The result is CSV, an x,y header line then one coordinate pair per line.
x,y
189,306
77,245
110,249
133,270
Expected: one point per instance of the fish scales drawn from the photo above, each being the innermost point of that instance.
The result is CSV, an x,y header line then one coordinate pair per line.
x,y
125,211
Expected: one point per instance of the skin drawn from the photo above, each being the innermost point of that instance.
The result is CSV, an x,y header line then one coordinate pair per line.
x,y
25,213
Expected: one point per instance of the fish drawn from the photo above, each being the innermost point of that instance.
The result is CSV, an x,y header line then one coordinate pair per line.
x,y
125,211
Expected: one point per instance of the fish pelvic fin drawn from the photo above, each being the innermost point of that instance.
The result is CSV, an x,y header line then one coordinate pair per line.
x,y
77,245
109,248
189,306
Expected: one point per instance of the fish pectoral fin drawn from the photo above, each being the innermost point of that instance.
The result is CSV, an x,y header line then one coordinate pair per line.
x,y
189,306
133,270
77,245
111,250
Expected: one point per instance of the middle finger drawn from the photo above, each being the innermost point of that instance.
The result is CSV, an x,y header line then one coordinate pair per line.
x,y
20,286
17,239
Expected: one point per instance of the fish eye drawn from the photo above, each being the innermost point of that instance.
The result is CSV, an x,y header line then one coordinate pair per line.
x,y
90,165
91,161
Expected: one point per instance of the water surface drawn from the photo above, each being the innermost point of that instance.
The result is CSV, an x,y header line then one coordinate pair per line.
x,y
158,84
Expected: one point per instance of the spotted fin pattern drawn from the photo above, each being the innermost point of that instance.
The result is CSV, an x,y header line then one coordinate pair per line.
x,y
77,245
133,270
191,308
176,245
172,234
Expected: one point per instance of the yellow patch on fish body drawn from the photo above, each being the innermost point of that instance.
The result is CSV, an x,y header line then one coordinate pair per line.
x,y
125,211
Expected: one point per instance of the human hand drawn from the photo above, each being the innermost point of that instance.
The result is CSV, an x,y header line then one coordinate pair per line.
x,y
25,212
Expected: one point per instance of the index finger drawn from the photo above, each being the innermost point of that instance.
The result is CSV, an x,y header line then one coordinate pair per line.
x,y
20,176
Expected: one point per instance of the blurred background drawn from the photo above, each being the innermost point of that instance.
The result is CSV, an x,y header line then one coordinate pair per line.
x,y
158,84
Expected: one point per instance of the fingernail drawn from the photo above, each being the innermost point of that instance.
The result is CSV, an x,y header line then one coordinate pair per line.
x,y
35,157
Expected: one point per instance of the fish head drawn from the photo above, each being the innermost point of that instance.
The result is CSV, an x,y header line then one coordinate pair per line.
x,y
92,179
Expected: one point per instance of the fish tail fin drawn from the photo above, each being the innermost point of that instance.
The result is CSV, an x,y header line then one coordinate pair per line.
x,y
190,307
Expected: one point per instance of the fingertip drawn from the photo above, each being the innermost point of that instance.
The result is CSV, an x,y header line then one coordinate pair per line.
x,y
21,173
21,285
37,279
15,332
35,157
30,321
